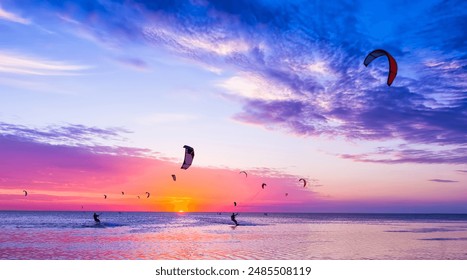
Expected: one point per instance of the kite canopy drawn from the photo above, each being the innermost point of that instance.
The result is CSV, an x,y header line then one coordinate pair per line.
x,y
123,193
235,203
392,63
244,172
147,194
105,196
25,193
174,177
304,181
263,185
189,155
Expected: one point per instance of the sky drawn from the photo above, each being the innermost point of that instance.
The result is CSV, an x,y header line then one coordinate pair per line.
x,y
99,97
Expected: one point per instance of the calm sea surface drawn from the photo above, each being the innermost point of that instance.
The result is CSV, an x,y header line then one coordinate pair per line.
x,y
130,235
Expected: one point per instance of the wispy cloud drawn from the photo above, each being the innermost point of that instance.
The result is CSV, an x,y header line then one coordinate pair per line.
x,y
251,86
406,155
28,65
9,16
72,134
442,181
18,81
133,62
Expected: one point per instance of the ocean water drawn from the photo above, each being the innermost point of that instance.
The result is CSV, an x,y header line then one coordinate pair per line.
x,y
162,236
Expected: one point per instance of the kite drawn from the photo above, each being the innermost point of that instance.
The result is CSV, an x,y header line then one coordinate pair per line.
x,y
392,63
304,182
246,175
174,177
189,155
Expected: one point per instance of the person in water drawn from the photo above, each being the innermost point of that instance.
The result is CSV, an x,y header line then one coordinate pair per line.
x,y
96,218
233,218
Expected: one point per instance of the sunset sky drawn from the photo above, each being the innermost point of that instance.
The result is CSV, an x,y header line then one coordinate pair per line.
x,y
99,97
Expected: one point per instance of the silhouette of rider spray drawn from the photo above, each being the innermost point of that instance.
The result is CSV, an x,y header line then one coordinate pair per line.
x,y
96,218
232,217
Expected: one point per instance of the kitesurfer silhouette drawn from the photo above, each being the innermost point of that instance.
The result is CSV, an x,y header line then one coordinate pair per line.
x,y
96,218
232,217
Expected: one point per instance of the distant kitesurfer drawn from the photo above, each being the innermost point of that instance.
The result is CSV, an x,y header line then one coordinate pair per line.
x,y
232,217
96,218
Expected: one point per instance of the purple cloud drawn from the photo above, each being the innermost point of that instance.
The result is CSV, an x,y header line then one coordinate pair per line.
x,y
392,156
68,134
133,62
314,52
68,147
281,112
429,109
62,163
442,181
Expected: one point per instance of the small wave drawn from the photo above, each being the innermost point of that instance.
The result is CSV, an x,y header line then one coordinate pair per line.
x,y
443,239
101,225
427,230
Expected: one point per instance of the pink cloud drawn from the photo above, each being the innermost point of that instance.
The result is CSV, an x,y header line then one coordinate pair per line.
x,y
66,177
